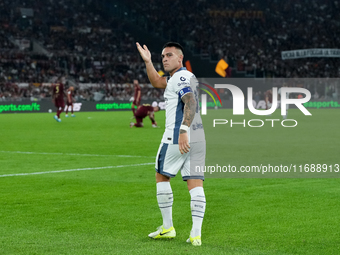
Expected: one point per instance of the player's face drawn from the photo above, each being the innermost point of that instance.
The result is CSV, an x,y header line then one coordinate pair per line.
x,y
172,59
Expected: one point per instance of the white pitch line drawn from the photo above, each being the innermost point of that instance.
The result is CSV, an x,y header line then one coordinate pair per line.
x,y
77,169
75,154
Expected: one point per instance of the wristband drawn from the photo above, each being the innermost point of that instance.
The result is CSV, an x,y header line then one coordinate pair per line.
x,y
184,127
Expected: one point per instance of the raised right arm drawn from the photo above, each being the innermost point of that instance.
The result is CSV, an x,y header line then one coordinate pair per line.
x,y
156,80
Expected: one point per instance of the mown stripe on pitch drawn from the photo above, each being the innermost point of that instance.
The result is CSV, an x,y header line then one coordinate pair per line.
x,y
77,169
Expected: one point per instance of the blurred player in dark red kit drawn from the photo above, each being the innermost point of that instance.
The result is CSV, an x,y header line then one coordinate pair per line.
x,y
142,112
58,97
69,101
268,97
137,96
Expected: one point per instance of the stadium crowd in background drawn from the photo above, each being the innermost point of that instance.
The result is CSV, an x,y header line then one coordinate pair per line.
x,y
251,34
93,47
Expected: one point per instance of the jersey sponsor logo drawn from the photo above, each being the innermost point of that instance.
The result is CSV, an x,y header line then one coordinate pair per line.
x,y
182,78
183,83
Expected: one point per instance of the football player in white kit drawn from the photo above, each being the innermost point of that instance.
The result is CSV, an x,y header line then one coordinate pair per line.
x,y
183,143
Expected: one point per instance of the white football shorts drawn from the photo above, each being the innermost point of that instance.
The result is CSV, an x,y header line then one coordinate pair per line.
x,y
169,161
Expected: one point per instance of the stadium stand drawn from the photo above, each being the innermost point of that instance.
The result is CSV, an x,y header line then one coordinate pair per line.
x,y
86,41
251,34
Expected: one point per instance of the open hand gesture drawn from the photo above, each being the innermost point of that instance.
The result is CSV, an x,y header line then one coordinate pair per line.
x,y
144,52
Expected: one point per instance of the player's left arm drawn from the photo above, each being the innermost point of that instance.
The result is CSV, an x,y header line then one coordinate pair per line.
x,y
188,116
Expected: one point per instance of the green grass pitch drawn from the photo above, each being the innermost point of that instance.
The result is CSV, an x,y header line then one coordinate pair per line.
x,y
86,186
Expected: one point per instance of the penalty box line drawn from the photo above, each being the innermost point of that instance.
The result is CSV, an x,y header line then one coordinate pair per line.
x,y
77,169
74,154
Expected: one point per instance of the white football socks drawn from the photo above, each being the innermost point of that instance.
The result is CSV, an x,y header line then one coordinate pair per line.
x,y
197,210
165,201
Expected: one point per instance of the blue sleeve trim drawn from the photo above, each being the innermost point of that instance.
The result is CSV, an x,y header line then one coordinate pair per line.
x,y
183,91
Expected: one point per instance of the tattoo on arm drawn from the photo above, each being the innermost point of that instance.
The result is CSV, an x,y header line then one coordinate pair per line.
x,y
189,110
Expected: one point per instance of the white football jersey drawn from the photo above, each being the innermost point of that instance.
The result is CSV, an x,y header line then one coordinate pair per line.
x,y
177,86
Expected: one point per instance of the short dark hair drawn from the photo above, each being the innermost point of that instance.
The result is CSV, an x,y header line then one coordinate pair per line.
x,y
174,44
